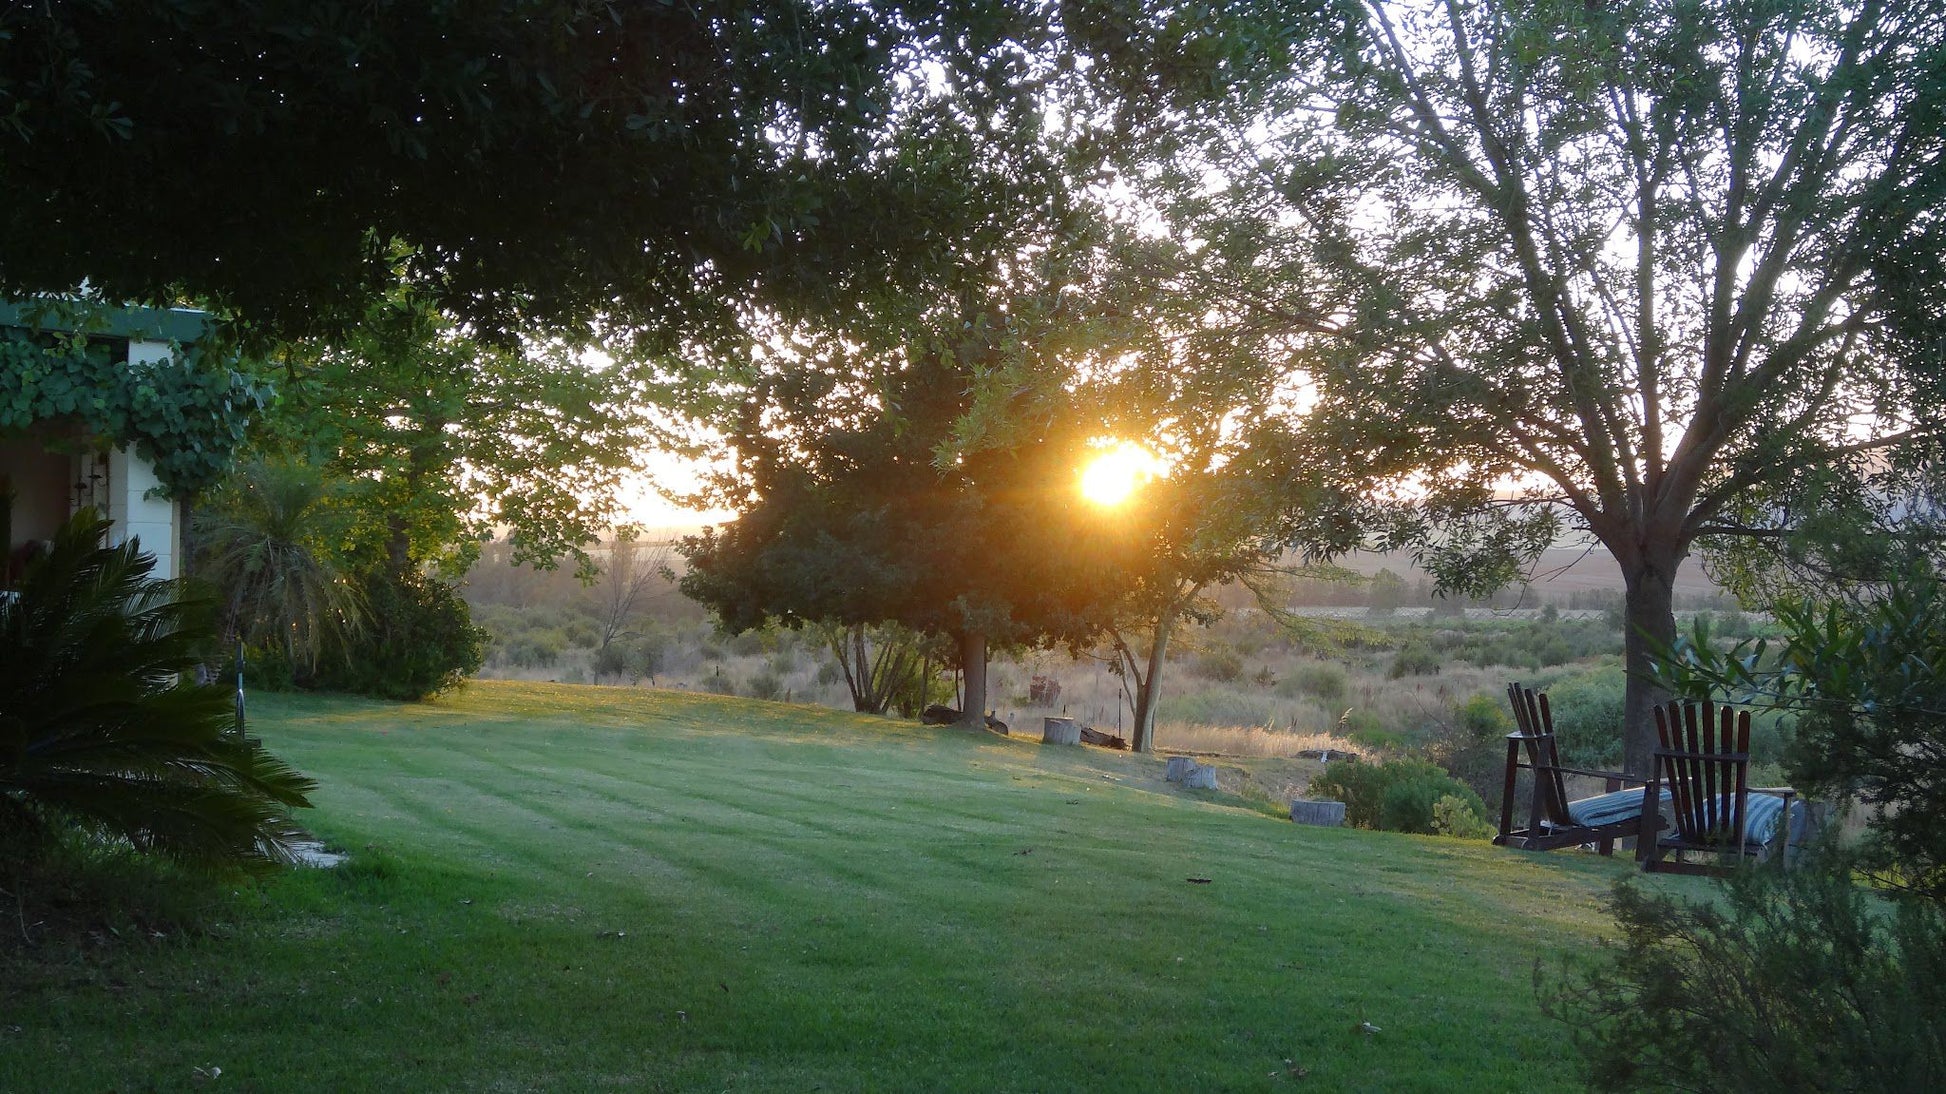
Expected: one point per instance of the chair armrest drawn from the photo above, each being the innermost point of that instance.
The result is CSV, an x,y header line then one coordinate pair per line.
x,y
1590,774
1783,790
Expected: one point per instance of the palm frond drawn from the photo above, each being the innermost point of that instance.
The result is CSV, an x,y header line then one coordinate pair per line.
x,y
101,725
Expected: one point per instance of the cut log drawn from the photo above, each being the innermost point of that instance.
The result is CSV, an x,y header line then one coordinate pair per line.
x,y
1092,736
1330,814
1199,777
1178,767
938,714
1060,731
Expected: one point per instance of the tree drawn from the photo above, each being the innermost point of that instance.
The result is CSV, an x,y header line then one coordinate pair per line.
x,y
262,540
430,440
538,164
849,518
1194,528
627,582
883,665
439,437
1614,266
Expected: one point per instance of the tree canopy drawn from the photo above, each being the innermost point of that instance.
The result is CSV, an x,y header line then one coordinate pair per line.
x,y
538,163
1544,265
849,516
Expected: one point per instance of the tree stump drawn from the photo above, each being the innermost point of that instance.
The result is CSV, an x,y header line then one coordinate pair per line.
x,y
1060,731
1327,813
1199,777
1178,767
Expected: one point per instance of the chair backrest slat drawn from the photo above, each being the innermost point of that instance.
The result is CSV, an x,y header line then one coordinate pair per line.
x,y
1535,720
1705,759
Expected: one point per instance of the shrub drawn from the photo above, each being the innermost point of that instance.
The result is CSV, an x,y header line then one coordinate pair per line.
x,y
765,685
1792,980
535,649
421,641
718,684
1415,658
1588,720
1223,665
1482,719
629,658
1320,678
1458,816
1395,796
1866,682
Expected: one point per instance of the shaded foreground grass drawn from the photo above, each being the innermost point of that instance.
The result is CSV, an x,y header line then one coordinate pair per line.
x,y
560,888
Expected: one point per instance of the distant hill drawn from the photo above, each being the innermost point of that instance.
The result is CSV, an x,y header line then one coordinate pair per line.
x,y
1560,571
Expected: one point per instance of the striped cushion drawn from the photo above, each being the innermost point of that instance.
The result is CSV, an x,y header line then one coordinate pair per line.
x,y
1760,819
1761,812
1608,808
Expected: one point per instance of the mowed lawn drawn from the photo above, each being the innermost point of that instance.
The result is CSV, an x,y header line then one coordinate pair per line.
x,y
571,888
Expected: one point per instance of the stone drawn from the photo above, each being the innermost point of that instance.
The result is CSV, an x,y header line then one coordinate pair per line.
x,y
1199,777
1329,814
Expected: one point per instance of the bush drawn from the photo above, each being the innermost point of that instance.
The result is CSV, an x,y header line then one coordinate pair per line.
x,y
1866,682
1415,658
1793,980
1322,679
1588,720
1222,665
718,684
1395,796
421,641
766,685
1472,744
1460,817
535,649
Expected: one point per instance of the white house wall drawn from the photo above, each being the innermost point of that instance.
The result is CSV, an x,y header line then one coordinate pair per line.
x,y
135,501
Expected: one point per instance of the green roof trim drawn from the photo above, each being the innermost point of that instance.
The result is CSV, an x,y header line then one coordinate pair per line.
x,y
180,325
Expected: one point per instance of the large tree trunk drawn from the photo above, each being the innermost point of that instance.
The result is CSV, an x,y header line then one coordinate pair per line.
x,y
973,662
1649,622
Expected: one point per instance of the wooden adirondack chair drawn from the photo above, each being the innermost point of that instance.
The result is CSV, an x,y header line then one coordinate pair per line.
x,y
1552,820
1702,758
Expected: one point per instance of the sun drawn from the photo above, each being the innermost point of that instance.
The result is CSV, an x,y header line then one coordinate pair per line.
x,y
1111,477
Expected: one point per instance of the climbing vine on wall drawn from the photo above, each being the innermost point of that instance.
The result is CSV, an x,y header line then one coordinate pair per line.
x,y
186,415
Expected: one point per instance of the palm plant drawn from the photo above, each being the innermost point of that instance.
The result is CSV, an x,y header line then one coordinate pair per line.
x,y
102,728
279,591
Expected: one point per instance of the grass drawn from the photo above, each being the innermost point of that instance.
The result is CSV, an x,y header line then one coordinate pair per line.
x,y
573,888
